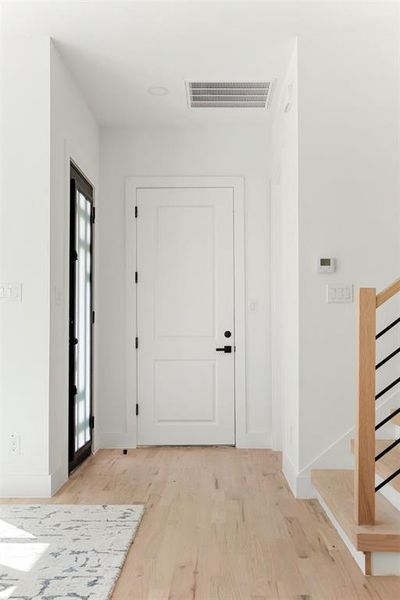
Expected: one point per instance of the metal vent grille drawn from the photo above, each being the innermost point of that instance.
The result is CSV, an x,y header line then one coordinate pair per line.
x,y
229,94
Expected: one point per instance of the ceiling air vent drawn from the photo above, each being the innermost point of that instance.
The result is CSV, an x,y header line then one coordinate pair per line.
x,y
230,94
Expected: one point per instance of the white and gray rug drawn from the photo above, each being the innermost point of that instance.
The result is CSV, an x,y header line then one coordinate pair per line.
x,y
64,552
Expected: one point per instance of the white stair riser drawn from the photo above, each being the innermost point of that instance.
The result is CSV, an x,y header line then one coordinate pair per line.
x,y
382,563
385,563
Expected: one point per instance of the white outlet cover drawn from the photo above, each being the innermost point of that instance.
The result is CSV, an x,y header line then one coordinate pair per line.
x,y
15,444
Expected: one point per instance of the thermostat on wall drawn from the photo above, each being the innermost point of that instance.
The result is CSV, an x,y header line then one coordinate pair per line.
x,y
326,265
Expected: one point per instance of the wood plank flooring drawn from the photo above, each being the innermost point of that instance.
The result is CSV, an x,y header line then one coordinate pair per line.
x,y
221,524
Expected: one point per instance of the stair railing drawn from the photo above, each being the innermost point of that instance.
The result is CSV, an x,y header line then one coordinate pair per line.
x,y
364,444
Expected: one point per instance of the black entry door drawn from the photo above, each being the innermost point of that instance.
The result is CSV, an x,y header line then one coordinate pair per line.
x,y
81,318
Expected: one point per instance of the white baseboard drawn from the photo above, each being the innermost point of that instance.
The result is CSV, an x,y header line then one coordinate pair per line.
x,y
25,486
300,485
33,486
259,440
255,440
304,488
290,473
115,440
58,478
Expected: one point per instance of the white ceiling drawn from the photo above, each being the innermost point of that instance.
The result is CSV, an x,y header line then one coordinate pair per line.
x,y
117,50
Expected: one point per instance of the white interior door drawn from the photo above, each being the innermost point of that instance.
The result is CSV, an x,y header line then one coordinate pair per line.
x,y
185,311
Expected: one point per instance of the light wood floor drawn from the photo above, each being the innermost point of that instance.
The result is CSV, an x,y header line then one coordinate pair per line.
x,y
221,524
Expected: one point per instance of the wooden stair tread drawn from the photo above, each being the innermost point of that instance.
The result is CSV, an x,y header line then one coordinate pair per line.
x,y
388,464
336,488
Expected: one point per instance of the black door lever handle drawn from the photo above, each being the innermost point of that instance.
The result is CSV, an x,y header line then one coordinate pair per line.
x,y
226,349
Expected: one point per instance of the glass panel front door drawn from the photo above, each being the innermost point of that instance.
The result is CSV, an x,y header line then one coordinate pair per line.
x,y
80,325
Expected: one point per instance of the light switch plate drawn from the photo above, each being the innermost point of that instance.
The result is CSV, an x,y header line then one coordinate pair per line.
x,y
10,292
253,305
339,293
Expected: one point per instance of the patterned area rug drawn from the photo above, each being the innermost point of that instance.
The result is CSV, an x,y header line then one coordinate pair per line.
x,y
64,552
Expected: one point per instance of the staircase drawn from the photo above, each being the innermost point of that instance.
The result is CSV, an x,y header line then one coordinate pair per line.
x,y
364,504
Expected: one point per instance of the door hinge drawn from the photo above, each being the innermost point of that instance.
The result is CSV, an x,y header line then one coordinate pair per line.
x,y
137,409
136,342
92,422
93,317
136,276
93,215
136,212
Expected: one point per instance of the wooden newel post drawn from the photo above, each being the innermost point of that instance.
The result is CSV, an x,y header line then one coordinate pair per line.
x,y
364,447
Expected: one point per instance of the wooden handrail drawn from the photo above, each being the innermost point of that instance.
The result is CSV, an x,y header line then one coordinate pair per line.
x,y
364,443
388,293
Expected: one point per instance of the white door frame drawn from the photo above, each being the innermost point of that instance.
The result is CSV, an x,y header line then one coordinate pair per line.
x,y
237,185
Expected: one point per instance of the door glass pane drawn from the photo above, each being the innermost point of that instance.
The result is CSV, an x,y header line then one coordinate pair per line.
x,y
83,322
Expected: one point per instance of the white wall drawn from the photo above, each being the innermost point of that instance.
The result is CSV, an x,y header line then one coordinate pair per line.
x,y
349,125
220,151
348,207
285,293
348,189
24,258
44,122
74,135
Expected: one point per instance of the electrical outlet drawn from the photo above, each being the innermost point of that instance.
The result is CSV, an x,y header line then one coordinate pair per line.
x,y
14,444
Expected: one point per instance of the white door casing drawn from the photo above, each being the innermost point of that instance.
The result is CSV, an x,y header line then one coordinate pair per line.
x,y
188,249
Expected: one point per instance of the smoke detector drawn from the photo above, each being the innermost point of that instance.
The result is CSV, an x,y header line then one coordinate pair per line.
x,y
228,94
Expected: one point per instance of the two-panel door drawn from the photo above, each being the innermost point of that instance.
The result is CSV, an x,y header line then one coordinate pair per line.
x,y
185,316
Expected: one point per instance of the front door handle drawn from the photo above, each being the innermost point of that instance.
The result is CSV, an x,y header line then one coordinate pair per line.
x,y
226,349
